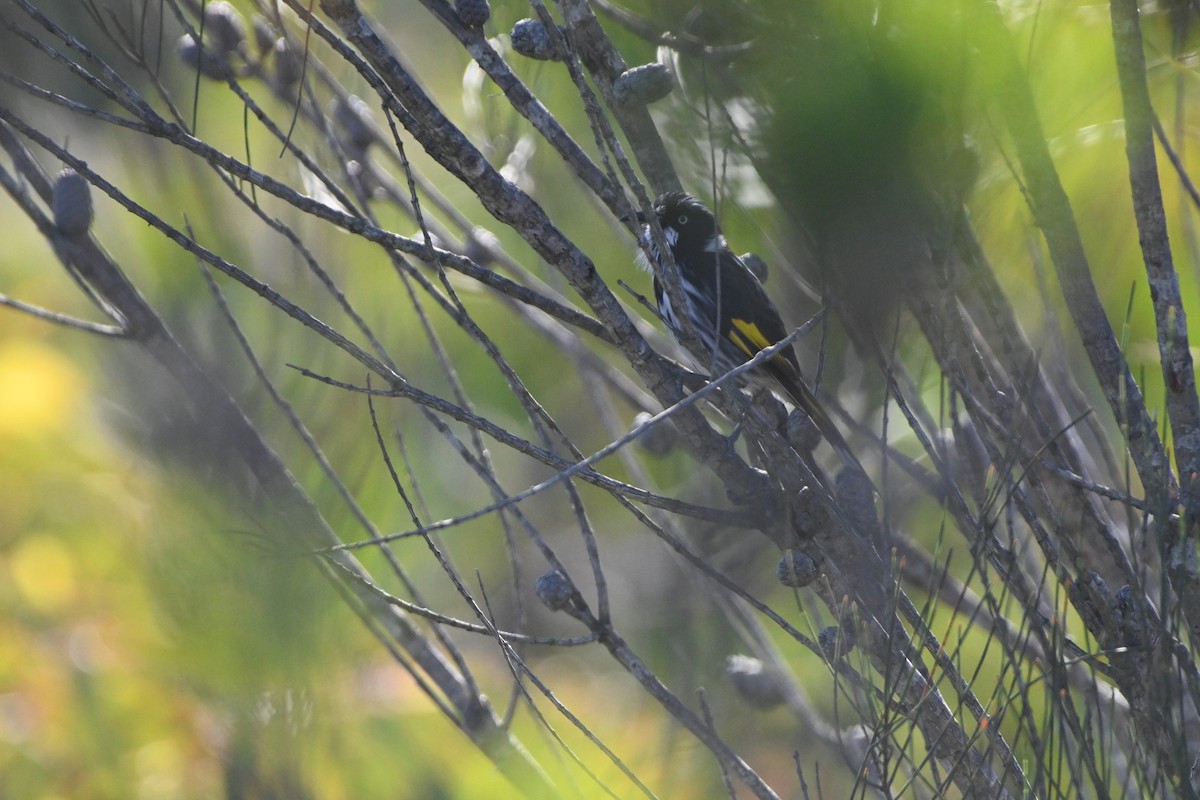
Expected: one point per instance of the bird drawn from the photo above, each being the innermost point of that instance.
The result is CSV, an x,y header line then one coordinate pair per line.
x,y
732,316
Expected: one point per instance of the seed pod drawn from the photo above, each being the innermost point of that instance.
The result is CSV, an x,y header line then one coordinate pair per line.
x,y
773,412
643,85
810,515
72,203
530,38
1131,620
554,590
264,34
796,569
289,63
223,27
856,496
659,439
419,236
757,685
473,13
802,432
835,641
481,246
367,178
354,116
211,63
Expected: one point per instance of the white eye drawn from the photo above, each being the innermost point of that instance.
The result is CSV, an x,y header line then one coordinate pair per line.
x,y
683,219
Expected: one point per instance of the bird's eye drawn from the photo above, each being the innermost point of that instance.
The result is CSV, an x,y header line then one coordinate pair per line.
x,y
683,219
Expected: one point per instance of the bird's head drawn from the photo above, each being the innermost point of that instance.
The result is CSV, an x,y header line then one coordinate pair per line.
x,y
687,225
686,216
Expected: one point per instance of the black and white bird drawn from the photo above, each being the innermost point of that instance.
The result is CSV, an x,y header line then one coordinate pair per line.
x,y
732,317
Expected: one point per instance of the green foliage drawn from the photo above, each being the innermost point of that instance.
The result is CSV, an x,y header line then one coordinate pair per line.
x,y
161,636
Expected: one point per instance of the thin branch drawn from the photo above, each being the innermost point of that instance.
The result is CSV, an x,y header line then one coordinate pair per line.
x,y
64,319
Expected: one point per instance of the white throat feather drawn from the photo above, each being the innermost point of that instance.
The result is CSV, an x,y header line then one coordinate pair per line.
x,y
669,234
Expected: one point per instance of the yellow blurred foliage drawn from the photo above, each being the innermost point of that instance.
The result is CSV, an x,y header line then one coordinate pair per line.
x,y
40,389
43,572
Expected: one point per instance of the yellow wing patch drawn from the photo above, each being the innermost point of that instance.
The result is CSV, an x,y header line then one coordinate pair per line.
x,y
748,337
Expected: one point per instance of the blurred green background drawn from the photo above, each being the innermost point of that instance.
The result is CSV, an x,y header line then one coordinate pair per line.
x,y
152,645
